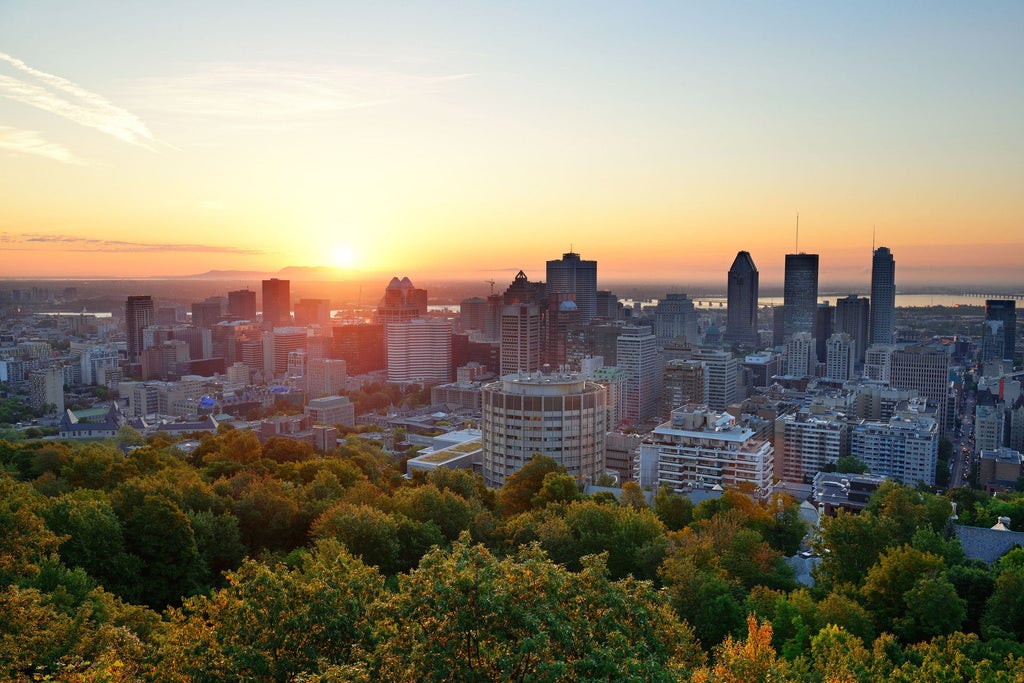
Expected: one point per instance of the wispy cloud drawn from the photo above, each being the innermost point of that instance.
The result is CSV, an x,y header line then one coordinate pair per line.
x,y
32,142
41,241
279,94
64,98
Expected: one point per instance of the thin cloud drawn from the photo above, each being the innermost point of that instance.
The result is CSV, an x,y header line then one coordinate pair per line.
x,y
279,94
64,98
39,241
32,142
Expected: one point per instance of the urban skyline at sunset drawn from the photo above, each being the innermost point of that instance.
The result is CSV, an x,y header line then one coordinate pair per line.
x,y
469,141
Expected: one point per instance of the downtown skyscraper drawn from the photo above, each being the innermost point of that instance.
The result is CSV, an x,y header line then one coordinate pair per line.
x,y
138,315
883,297
277,303
573,275
800,294
741,320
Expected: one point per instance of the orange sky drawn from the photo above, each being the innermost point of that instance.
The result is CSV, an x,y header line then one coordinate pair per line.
x,y
469,141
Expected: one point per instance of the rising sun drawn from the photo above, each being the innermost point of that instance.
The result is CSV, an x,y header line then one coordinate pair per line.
x,y
344,257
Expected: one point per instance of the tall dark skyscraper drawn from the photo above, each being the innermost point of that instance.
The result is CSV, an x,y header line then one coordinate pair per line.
x,y
800,294
139,314
1006,311
741,320
852,317
277,303
824,320
242,304
572,275
883,297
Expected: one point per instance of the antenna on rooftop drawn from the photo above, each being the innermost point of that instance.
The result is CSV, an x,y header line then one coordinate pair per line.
x,y
872,239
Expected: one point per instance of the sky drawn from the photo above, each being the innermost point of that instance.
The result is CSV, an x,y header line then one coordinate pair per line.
x,y
472,139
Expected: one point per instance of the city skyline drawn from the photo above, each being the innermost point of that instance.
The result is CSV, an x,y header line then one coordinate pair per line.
x,y
443,139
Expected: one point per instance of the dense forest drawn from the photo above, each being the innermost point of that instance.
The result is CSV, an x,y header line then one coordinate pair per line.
x,y
136,560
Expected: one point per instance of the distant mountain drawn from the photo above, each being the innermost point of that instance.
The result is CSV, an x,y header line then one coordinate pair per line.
x,y
223,275
287,273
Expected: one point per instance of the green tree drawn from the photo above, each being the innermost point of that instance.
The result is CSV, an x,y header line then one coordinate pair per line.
x,y
840,657
392,543
1004,610
933,608
448,511
974,582
703,599
466,615
272,623
557,488
158,532
517,494
849,464
907,508
94,539
849,545
892,580
675,511
632,495
25,540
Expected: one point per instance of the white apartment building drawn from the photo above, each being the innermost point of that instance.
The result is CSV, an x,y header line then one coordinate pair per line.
x,y
561,416
700,448
905,448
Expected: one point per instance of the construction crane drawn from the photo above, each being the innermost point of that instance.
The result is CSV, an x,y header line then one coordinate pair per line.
x,y
491,283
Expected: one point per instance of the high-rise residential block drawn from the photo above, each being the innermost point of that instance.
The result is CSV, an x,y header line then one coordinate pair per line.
x,y
46,388
419,350
925,369
277,303
878,362
637,354
807,443
883,297
520,338
839,357
284,340
721,368
799,355
684,382
563,417
702,449
800,293
573,275
905,448
741,320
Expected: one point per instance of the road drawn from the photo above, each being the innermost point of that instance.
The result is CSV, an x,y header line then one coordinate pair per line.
x,y
963,447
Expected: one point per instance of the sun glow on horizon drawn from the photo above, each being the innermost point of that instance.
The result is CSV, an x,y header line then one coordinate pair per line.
x,y
343,256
